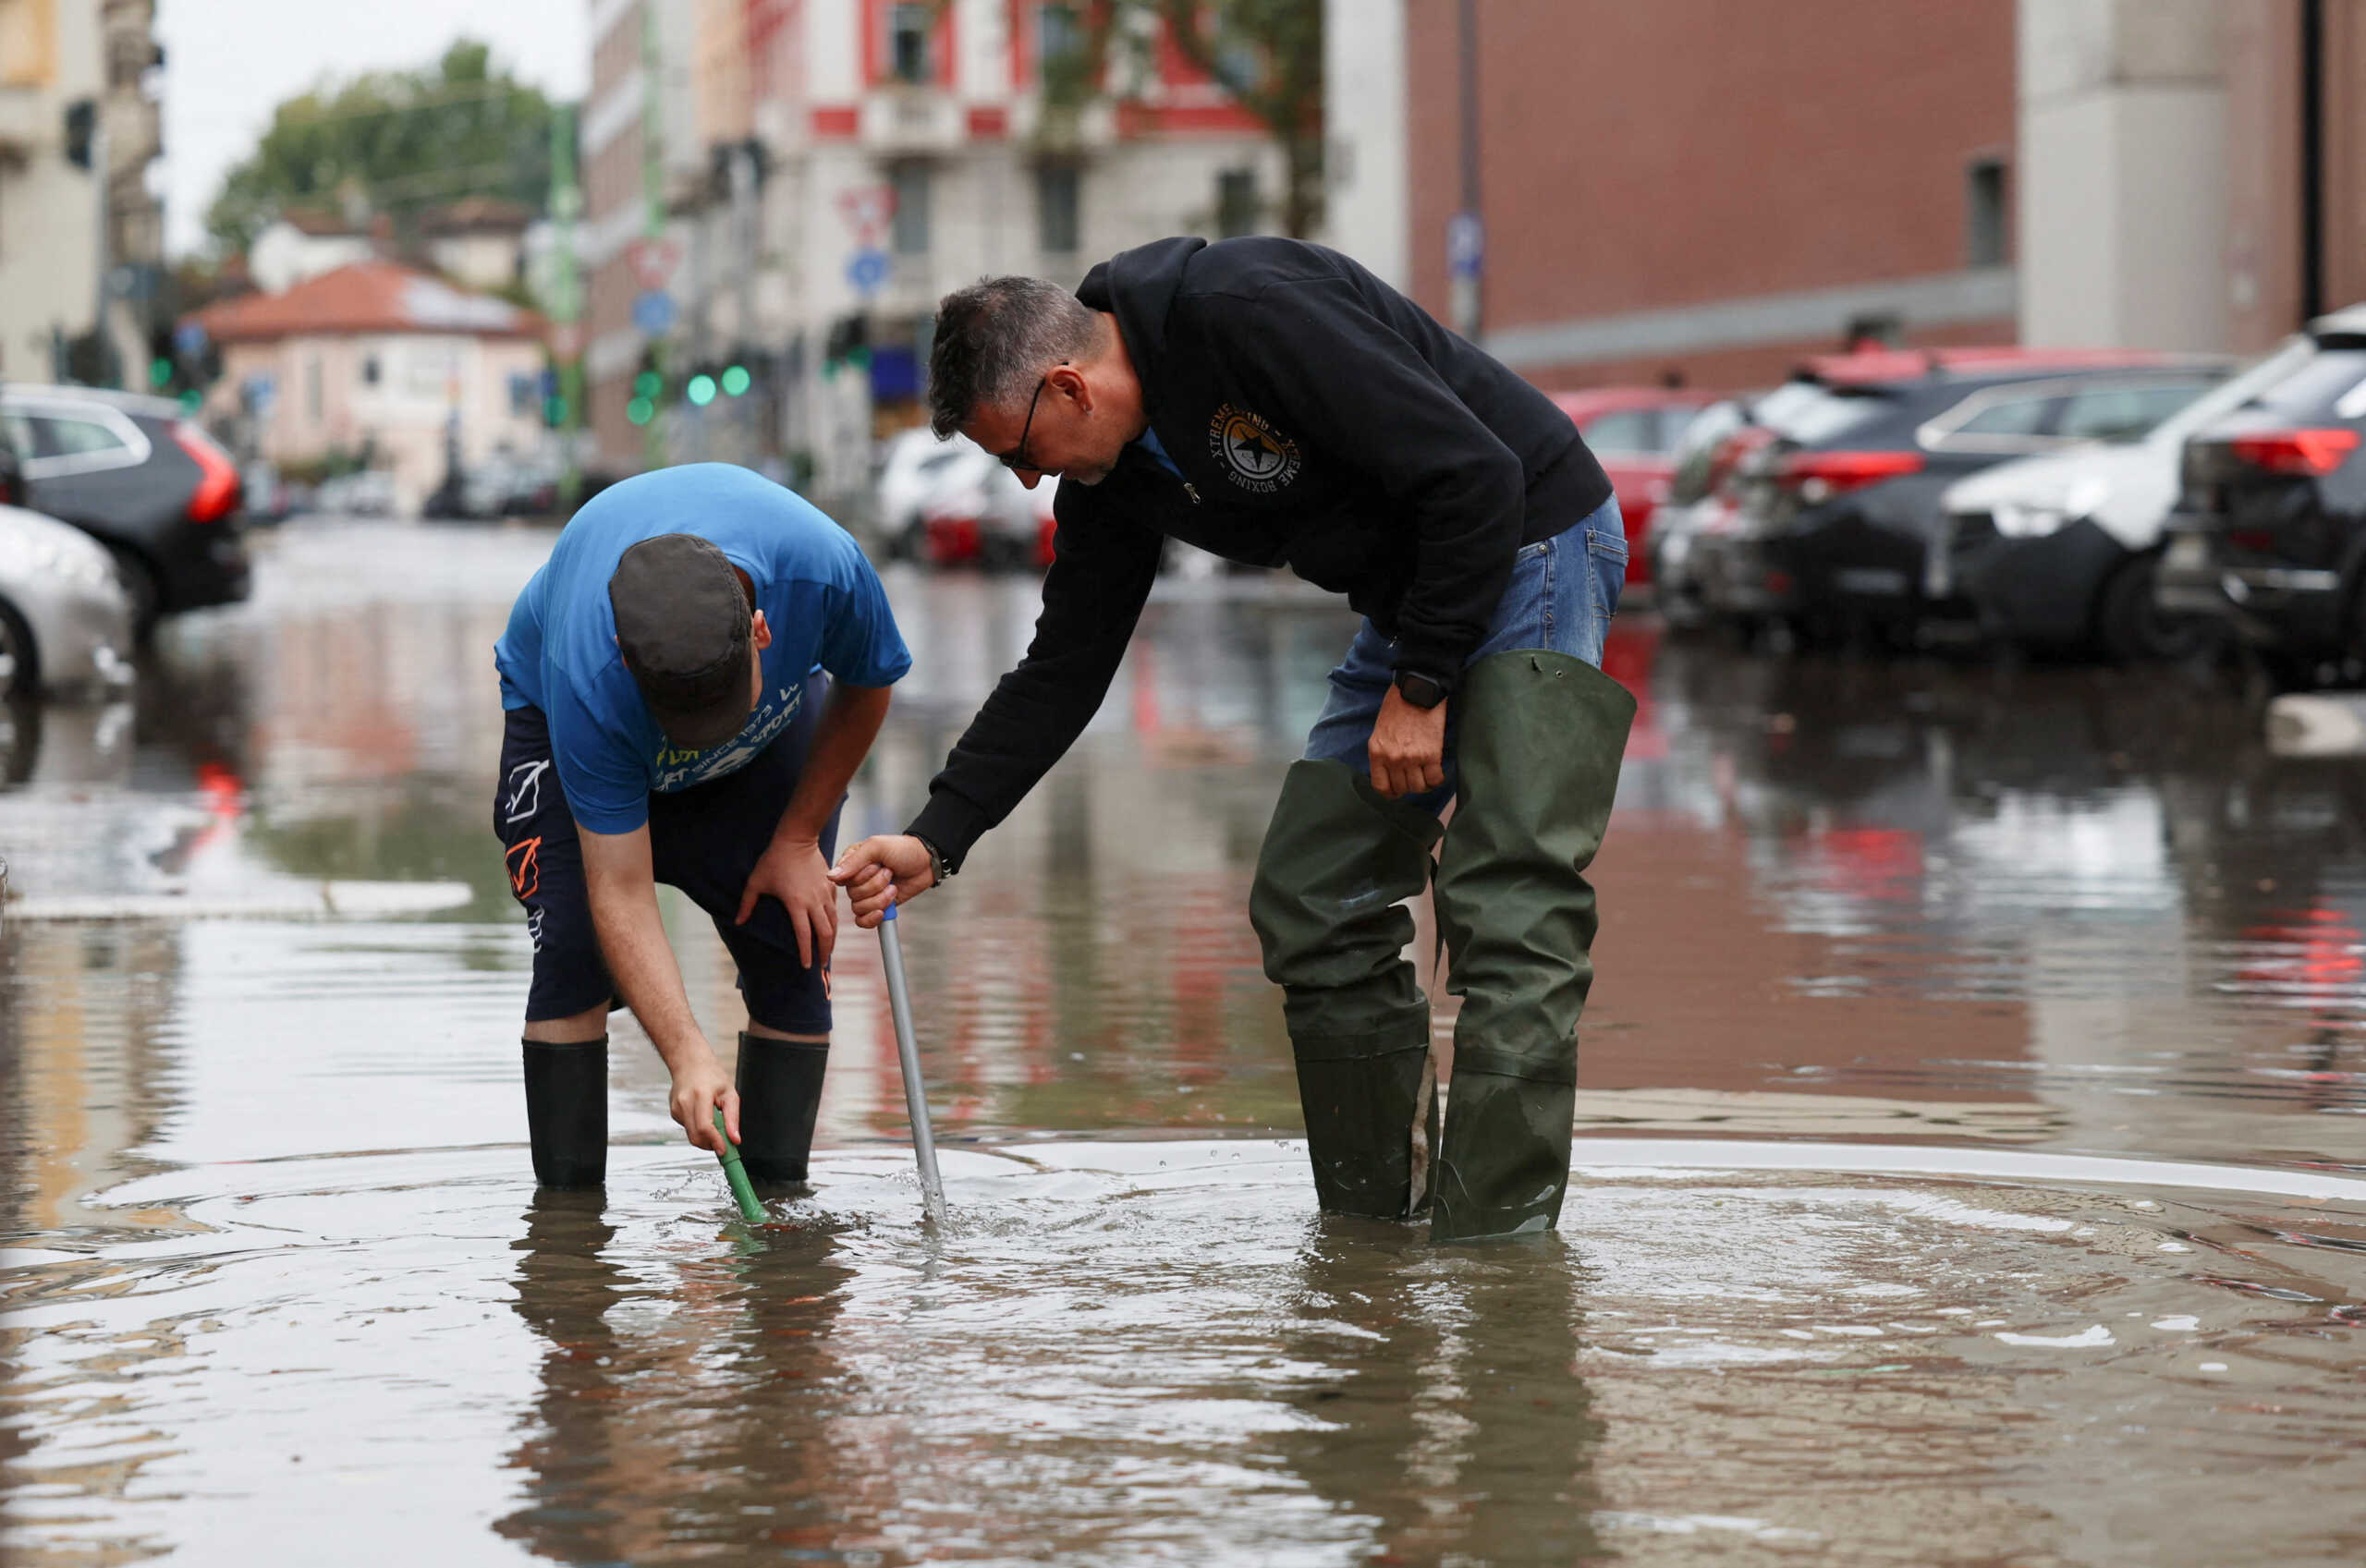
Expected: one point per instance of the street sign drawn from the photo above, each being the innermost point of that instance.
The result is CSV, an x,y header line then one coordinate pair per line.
x,y
1466,245
652,258
866,269
188,340
867,209
653,313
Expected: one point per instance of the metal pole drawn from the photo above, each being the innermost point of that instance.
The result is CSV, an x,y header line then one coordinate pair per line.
x,y
899,1004
566,304
100,339
1469,287
652,191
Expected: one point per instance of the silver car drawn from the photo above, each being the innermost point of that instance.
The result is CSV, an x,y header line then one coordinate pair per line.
x,y
64,621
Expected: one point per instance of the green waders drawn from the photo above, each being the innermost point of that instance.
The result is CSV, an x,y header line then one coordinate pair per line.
x,y
1536,761
1338,861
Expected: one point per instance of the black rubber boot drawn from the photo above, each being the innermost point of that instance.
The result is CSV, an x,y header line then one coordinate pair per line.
x,y
1338,863
780,1091
1537,757
566,1112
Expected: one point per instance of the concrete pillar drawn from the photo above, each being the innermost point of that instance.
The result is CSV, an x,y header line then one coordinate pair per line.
x,y
2122,173
1367,196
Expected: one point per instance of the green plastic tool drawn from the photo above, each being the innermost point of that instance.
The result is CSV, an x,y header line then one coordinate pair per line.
x,y
742,1190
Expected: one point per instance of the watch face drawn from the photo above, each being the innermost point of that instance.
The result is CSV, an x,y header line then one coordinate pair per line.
x,y
1420,690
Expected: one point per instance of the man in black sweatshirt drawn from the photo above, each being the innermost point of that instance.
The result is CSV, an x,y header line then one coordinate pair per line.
x,y
1274,403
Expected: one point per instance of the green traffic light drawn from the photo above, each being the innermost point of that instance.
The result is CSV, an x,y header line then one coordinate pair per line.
x,y
191,400
734,380
648,385
554,410
160,372
641,410
700,391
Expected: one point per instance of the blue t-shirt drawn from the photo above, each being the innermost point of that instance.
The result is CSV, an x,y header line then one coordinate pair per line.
x,y
818,593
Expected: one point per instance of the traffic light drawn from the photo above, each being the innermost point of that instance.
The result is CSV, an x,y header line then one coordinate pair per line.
x,y
81,130
700,390
734,380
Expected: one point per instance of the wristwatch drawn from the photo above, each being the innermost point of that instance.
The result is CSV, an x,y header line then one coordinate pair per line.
x,y
1419,689
937,869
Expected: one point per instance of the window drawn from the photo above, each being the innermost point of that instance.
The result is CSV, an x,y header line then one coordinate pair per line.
x,y
908,231
1984,213
370,369
1057,35
54,437
908,29
1056,217
2125,413
2014,416
312,388
1235,203
1625,429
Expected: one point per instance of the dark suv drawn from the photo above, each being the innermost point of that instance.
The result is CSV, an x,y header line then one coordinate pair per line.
x,y
1840,513
2269,534
144,479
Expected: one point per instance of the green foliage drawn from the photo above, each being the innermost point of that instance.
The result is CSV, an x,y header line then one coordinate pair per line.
x,y
394,142
1266,54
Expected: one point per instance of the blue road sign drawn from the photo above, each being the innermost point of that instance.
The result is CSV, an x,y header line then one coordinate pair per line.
x,y
1466,245
189,339
652,311
867,270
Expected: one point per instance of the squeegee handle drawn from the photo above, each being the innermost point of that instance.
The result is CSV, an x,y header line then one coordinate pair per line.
x,y
900,1005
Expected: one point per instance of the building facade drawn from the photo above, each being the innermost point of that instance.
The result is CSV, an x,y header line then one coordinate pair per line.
x,y
69,230
803,181
1729,188
382,364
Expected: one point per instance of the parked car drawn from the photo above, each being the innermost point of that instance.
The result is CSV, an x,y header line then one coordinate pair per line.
x,y
1838,513
1633,431
367,492
65,621
1704,494
948,502
2269,534
142,479
2062,551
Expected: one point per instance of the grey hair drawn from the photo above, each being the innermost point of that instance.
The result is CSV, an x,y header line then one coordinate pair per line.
x,y
994,341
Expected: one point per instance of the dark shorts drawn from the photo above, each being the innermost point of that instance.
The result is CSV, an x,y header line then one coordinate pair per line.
x,y
704,840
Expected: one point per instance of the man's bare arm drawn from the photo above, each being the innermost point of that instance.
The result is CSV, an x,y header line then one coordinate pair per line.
x,y
621,874
792,869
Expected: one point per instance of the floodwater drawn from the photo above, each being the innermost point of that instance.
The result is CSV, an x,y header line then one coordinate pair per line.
x,y
1972,1166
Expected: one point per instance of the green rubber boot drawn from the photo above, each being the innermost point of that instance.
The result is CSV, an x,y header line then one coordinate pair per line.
x,y
1338,860
1541,736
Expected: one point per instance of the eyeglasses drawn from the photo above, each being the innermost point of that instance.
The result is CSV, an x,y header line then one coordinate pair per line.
x,y
1017,456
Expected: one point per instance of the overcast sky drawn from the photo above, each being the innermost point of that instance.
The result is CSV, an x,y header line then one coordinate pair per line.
x,y
229,63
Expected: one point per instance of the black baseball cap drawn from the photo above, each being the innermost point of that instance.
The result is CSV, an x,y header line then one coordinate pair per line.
x,y
682,624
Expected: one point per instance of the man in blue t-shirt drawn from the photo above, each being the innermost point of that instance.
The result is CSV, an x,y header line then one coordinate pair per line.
x,y
669,720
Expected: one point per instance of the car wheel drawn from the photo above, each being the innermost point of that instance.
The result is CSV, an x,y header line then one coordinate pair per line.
x,y
2131,627
139,582
19,661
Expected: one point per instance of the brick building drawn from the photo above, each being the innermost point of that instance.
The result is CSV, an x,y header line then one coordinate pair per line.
x,y
1708,190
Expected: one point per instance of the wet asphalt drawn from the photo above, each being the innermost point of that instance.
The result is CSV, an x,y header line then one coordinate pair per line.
x,y
1972,1163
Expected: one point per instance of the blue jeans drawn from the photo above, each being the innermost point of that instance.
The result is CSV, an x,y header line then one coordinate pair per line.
x,y
1563,593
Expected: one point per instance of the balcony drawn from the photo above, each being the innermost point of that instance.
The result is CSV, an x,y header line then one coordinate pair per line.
x,y
911,120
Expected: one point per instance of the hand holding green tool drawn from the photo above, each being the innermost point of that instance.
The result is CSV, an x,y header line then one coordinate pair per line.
x,y
742,1190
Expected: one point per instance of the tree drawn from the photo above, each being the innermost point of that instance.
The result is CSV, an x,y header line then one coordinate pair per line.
x,y
393,143
1266,54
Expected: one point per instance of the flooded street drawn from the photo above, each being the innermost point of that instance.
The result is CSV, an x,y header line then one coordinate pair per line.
x,y
1972,1159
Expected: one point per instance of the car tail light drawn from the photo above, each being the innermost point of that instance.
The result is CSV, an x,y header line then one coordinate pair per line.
x,y
1817,475
2311,452
218,484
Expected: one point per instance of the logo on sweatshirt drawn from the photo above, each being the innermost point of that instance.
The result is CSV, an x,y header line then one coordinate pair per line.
x,y
1255,456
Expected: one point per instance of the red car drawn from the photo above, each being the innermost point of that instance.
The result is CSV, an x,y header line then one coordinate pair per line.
x,y
1632,430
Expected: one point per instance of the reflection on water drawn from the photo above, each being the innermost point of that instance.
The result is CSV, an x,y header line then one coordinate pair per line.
x,y
278,1267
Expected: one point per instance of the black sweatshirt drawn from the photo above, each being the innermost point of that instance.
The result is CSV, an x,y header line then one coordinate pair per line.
x,y
1322,421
